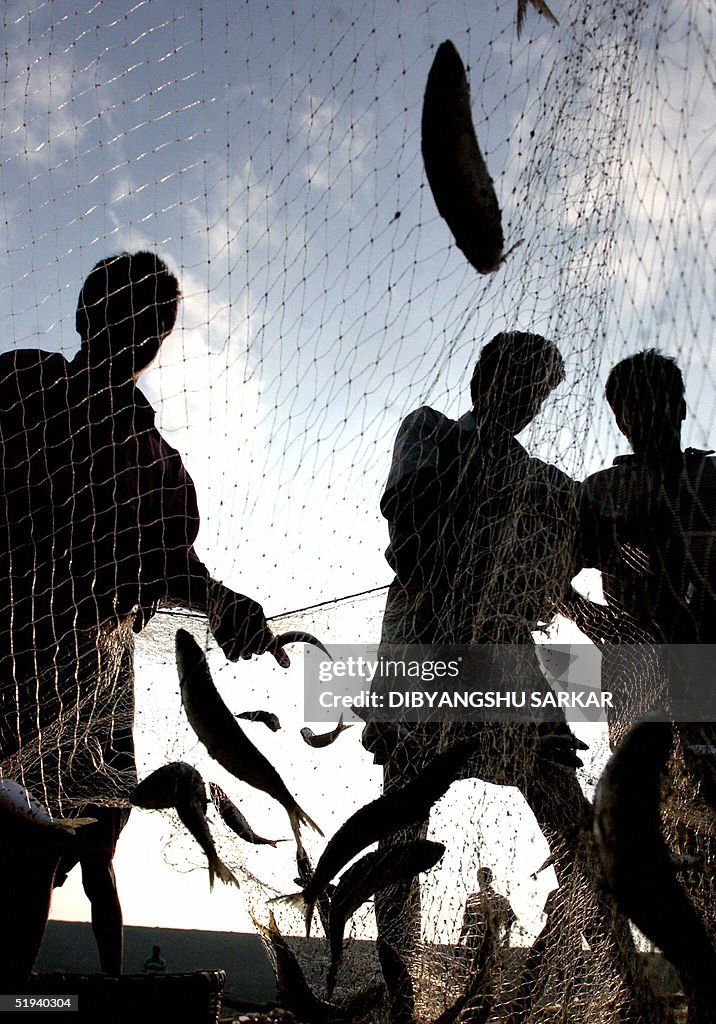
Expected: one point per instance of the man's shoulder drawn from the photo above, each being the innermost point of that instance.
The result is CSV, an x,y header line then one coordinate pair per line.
x,y
425,420
31,362
32,388
613,484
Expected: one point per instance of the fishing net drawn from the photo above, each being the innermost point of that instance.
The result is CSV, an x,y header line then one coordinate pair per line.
x,y
271,155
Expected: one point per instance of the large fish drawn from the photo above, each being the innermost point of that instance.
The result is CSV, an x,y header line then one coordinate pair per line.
x,y
18,802
383,816
461,184
637,863
222,735
233,817
323,739
180,786
373,872
294,992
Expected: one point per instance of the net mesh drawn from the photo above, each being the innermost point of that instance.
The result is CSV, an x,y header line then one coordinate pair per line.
x,y
271,155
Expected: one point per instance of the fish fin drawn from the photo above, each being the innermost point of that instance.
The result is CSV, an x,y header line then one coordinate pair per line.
x,y
71,824
297,817
298,901
225,874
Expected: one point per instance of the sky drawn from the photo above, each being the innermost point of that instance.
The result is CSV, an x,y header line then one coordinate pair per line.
x,y
270,152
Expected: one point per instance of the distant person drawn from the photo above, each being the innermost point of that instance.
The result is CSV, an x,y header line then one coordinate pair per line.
x,y
488,916
154,964
99,519
482,543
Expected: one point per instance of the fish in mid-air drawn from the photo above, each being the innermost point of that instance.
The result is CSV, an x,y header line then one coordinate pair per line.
x,y
374,871
222,735
539,5
267,718
381,817
22,805
323,739
233,817
463,190
180,786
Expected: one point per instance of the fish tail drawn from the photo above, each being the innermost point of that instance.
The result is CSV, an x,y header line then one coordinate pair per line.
x,y
298,901
298,817
225,874
71,824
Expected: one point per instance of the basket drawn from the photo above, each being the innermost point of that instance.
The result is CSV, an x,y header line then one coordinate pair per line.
x,y
193,997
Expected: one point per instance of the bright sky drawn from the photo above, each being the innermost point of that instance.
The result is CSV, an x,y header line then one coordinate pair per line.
x,y
266,151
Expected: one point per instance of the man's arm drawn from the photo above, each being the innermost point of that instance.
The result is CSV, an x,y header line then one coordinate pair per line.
x,y
237,622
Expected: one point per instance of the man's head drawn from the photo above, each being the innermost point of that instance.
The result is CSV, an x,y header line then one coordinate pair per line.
x,y
513,376
646,394
484,877
125,309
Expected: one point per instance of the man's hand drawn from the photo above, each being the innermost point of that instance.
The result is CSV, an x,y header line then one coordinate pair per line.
x,y
238,623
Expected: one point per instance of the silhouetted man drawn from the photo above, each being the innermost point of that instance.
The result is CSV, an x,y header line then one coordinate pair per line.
x,y
99,523
482,541
487,913
659,580
661,569
659,561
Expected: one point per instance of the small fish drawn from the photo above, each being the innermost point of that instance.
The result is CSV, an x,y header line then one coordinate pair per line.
x,y
456,170
294,992
383,816
324,739
222,735
305,871
233,817
637,863
21,804
293,636
180,786
539,5
266,717
374,871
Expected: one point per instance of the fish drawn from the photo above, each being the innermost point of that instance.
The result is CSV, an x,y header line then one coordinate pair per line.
x,y
479,992
293,636
305,871
381,817
223,737
266,717
374,871
21,804
638,865
539,5
456,170
324,739
294,992
233,817
180,786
